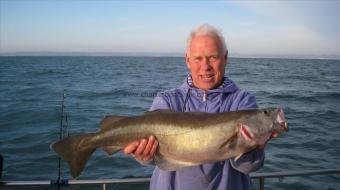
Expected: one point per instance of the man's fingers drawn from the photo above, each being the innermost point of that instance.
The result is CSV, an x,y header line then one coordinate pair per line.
x,y
152,151
144,149
141,148
148,147
131,148
154,148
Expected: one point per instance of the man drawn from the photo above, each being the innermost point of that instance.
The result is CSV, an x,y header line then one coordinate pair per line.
x,y
205,90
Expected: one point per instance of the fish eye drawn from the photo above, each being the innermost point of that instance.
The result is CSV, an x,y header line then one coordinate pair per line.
x,y
265,112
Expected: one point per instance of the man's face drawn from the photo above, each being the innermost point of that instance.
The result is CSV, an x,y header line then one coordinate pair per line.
x,y
206,61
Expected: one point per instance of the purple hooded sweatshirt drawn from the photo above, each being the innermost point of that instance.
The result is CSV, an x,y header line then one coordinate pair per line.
x,y
226,175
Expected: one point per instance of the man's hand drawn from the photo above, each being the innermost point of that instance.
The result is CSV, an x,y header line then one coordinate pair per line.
x,y
142,150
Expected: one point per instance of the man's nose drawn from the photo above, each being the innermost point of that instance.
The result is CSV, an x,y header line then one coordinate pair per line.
x,y
205,64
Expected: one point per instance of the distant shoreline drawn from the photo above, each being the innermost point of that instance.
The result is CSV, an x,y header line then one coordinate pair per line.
x,y
146,54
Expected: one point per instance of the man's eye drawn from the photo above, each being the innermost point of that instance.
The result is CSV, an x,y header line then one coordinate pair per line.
x,y
213,58
197,59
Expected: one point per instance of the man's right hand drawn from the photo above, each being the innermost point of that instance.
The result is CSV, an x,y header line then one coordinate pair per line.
x,y
142,150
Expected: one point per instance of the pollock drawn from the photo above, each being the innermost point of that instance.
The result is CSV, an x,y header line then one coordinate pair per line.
x,y
185,138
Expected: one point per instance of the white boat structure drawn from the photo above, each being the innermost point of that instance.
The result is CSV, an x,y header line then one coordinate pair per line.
x,y
104,183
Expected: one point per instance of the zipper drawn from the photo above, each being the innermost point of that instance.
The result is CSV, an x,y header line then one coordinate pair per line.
x,y
204,96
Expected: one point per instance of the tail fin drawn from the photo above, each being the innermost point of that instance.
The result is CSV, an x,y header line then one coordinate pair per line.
x,y
73,153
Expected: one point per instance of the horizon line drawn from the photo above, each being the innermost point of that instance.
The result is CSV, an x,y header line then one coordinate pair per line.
x,y
166,54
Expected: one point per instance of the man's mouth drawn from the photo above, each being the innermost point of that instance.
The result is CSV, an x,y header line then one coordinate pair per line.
x,y
207,76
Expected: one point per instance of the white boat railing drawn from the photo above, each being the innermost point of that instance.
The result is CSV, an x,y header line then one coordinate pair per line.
x,y
105,182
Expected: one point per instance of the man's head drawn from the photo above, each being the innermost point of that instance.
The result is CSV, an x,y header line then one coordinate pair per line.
x,y
206,57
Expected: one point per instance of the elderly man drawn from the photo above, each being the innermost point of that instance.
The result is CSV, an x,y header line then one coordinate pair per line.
x,y
205,89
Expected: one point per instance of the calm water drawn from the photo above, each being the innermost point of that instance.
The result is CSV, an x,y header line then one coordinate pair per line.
x,y
31,90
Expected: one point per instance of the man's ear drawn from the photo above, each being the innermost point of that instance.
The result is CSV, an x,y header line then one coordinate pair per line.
x,y
187,60
226,54
226,57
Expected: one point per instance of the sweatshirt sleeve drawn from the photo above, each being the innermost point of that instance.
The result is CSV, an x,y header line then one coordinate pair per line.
x,y
159,103
252,160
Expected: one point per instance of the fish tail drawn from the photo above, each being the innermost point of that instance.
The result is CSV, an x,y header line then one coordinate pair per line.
x,y
72,151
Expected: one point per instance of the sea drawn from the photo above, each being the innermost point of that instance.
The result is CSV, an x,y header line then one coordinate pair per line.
x,y
33,90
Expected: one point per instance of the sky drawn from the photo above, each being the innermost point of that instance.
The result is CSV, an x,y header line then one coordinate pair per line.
x,y
302,27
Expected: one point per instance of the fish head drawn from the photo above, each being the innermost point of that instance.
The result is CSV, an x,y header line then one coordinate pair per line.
x,y
258,126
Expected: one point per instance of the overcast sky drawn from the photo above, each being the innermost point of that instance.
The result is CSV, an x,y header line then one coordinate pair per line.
x,y
250,27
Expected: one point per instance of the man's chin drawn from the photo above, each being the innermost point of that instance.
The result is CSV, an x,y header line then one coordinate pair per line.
x,y
207,85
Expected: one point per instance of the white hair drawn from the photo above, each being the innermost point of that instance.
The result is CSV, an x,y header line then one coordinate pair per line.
x,y
207,30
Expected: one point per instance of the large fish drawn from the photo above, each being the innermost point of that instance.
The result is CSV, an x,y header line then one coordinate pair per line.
x,y
185,138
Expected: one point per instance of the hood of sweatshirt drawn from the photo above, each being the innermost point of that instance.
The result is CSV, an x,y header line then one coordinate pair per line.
x,y
227,86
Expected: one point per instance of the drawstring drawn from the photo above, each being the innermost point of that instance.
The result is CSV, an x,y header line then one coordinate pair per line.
x,y
220,101
185,100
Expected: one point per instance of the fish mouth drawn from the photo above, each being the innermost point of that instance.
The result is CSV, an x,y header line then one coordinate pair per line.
x,y
280,123
284,126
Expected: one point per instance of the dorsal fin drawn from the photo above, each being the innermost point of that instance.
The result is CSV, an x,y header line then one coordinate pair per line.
x,y
159,111
109,120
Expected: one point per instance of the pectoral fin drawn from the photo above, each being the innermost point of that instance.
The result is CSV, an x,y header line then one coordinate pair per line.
x,y
169,164
111,149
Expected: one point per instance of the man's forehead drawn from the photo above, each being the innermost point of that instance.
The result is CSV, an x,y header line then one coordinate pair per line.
x,y
203,40
198,54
